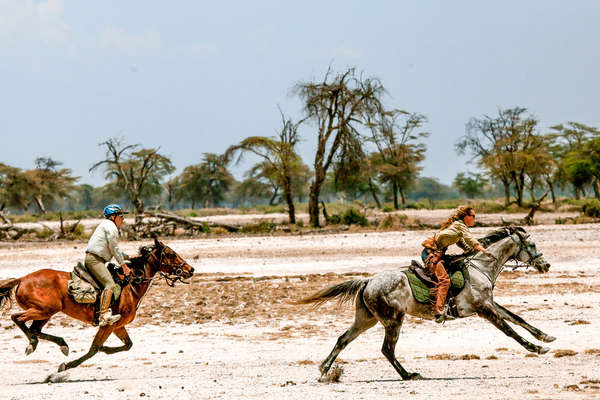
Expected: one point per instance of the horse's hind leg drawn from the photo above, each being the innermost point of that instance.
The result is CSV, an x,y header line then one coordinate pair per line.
x,y
19,319
363,320
515,319
492,314
36,329
392,331
30,314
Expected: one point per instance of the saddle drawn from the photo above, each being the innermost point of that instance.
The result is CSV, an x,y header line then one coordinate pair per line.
x,y
422,284
86,289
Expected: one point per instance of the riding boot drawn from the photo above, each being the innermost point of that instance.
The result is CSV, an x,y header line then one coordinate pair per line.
x,y
106,317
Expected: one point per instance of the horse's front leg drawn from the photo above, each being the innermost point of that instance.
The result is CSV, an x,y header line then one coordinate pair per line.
x,y
121,333
515,319
490,312
101,336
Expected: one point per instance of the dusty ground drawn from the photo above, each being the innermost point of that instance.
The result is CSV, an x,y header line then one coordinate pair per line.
x,y
232,333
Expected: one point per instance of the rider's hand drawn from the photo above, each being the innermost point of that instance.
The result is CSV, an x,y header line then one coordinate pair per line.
x,y
126,270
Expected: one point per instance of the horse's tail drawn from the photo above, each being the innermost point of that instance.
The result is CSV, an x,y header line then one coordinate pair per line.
x,y
6,288
344,292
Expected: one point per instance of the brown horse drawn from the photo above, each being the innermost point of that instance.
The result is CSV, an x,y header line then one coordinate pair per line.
x,y
43,293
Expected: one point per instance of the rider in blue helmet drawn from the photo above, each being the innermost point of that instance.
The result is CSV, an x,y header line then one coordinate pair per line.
x,y
102,247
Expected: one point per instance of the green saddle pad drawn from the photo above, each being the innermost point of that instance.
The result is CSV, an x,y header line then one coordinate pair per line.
x,y
422,292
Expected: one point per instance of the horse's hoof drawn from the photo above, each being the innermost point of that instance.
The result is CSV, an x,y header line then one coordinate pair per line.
x,y
65,350
62,367
548,339
30,349
415,376
543,350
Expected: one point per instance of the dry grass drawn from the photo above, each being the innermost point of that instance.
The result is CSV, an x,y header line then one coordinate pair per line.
x,y
453,357
564,353
592,351
580,322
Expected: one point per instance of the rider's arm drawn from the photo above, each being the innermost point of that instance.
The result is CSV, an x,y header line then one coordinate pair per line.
x,y
112,239
468,239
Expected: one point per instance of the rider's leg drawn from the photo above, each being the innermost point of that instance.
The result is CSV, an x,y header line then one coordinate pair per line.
x,y
442,286
97,267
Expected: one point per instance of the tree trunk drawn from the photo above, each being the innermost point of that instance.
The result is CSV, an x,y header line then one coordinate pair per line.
x,y
506,184
313,205
402,197
395,191
551,187
373,193
287,193
275,193
138,206
40,204
596,187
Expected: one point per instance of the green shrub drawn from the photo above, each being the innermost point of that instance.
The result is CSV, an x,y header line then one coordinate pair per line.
x,y
591,208
415,205
192,214
300,223
44,233
334,219
261,227
387,209
353,217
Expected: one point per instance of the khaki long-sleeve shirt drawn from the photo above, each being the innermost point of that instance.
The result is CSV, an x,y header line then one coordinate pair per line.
x,y
458,233
104,242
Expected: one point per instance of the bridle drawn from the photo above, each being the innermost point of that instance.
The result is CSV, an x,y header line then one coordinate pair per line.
x,y
170,277
532,257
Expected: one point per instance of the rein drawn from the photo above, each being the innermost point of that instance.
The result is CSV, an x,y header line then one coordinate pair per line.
x,y
532,257
170,278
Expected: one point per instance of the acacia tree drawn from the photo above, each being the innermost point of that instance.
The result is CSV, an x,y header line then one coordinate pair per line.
x,y
471,184
566,144
508,147
280,164
49,182
400,152
138,173
338,105
206,182
15,188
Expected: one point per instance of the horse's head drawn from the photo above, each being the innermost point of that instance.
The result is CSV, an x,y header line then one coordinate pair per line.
x,y
167,262
527,252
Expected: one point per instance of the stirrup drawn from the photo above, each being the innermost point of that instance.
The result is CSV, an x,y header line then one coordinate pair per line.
x,y
108,319
444,316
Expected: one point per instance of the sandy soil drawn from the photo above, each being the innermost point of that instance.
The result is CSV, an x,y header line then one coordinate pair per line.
x,y
232,333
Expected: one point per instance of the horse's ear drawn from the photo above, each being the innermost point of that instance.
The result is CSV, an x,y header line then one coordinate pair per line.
x,y
157,242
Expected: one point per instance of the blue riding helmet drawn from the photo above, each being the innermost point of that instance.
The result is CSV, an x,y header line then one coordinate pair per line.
x,y
113,209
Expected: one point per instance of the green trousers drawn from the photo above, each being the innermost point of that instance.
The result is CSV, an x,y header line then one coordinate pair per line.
x,y
96,266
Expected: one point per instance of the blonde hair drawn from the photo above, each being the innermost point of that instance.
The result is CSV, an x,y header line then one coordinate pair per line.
x,y
458,215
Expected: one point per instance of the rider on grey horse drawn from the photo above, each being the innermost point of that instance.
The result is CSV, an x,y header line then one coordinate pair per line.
x,y
102,247
454,231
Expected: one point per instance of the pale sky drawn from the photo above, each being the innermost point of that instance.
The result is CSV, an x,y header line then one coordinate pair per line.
x,y
194,77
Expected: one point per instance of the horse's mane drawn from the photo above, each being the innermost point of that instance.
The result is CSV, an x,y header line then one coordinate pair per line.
x,y
499,234
138,261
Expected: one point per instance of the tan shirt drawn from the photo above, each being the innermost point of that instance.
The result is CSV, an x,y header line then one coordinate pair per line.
x,y
104,242
458,233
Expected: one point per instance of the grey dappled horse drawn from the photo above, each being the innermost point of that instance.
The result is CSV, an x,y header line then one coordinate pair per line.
x,y
387,298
